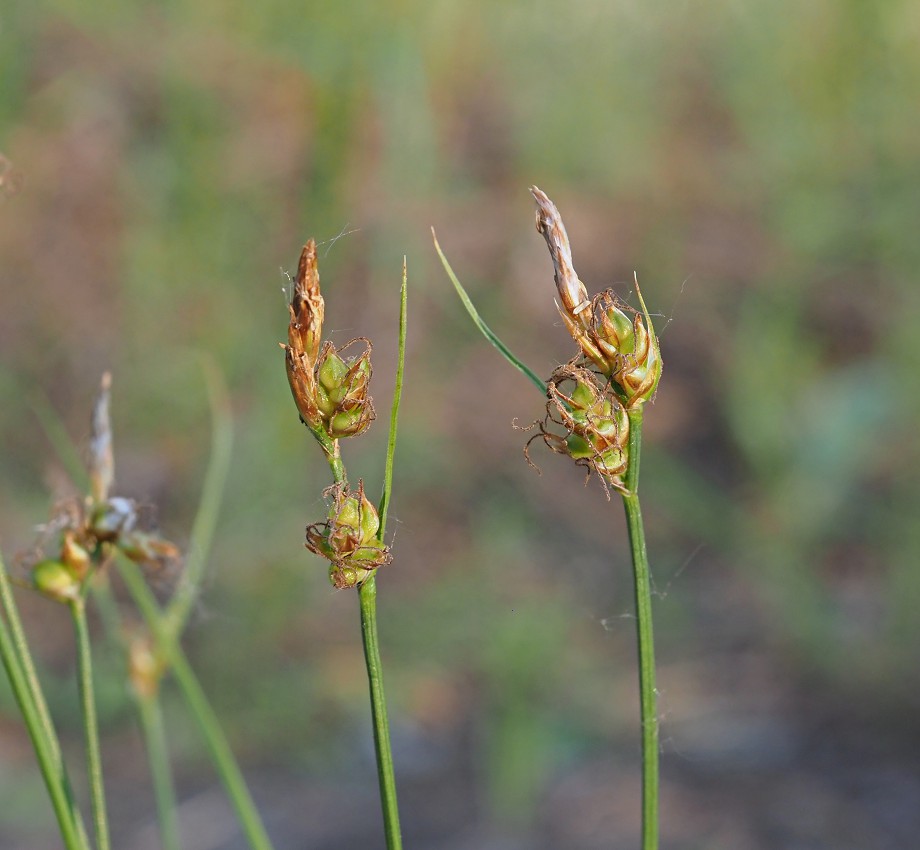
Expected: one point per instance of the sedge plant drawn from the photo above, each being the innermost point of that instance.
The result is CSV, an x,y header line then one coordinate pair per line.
x,y
71,564
594,409
330,389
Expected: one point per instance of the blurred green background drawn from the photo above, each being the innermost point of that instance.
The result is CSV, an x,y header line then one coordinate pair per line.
x,y
758,165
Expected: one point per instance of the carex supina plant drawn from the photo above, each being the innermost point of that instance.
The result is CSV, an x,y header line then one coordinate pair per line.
x,y
71,560
593,414
330,386
72,563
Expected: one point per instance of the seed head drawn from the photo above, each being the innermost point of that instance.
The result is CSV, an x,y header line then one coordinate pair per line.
x,y
593,422
348,538
331,391
622,349
82,532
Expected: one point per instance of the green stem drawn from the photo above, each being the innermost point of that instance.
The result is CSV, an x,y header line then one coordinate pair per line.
x,y
151,715
647,692
90,725
333,455
208,724
367,594
47,749
384,507
205,525
28,668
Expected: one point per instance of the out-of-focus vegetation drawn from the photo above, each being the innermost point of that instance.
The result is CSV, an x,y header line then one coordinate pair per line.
x,y
757,163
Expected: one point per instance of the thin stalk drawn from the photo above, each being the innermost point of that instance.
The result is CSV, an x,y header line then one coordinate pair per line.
x,y
47,750
26,665
648,694
208,724
205,524
384,506
367,595
484,329
151,716
333,455
90,724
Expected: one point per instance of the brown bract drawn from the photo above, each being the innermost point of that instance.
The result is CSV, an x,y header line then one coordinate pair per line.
x,y
305,329
574,295
622,348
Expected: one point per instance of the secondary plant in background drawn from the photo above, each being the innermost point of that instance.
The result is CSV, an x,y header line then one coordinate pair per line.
x,y
73,563
594,413
331,394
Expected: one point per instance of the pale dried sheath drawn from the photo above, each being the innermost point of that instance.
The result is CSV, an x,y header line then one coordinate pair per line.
x,y
101,462
572,291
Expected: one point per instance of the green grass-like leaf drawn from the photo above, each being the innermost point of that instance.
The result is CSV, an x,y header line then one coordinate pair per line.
x,y
394,410
486,331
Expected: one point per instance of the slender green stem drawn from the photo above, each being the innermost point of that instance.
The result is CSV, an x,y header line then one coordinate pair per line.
x,y
208,724
648,695
367,594
484,329
90,724
44,740
333,455
394,409
221,754
180,606
27,666
151,716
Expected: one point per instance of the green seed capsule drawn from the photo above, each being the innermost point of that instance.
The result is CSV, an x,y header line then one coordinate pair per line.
x,y
347,423
332,372
54,580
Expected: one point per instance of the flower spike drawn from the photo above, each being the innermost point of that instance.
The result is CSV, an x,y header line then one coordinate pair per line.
x,y
348,537
331,392
624,350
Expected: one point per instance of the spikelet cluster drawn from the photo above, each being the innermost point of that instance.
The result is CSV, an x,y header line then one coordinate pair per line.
x,y
617,369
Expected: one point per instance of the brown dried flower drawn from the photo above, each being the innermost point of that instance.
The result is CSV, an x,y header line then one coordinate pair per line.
x,y
331,392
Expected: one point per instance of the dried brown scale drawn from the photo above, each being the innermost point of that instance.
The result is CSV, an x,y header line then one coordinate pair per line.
x,y
307,307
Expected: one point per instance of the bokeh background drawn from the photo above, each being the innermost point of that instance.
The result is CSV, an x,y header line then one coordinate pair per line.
x,y
756,163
